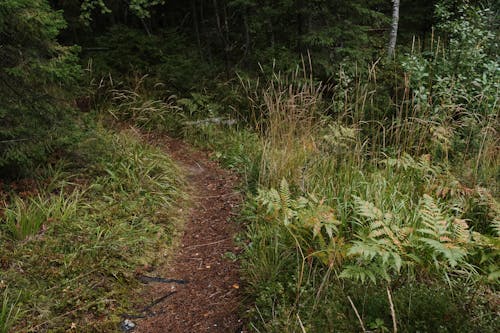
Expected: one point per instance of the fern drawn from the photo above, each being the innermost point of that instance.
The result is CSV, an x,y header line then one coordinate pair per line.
x,y
434,241
286,202
405,162
312,223
441,236
380,245
360,273
367,209
494,207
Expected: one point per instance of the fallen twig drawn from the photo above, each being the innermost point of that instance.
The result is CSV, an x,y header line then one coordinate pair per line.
x,y
147,309
206,244
147,279
357,314
393,312
158,300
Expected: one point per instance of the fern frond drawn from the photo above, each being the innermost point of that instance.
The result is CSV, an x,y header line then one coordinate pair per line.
x,y
364,249
358,273
285,193
462,231
452,253
496,225
433,218
368,209
494,207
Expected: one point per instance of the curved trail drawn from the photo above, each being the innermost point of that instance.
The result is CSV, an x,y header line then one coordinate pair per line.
x,y
209,300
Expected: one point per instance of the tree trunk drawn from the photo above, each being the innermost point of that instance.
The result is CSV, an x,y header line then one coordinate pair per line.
x,y
394,29
247,33
204,34
196,26
222,30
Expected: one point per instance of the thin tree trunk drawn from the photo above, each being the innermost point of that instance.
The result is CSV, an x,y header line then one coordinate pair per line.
x,y
194,13
203,33
222,35
394,29
300,24
247,33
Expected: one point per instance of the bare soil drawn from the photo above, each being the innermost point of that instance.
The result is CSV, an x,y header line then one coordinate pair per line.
x,y
209,300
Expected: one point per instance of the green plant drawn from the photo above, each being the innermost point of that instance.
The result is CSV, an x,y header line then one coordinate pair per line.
x,y
134,105
37,74
26,218
109,211
167,55
9,312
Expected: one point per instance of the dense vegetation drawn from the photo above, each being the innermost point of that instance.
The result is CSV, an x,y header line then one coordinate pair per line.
x,y
372,181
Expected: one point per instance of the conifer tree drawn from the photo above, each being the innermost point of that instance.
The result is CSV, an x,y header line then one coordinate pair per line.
x,y
34,69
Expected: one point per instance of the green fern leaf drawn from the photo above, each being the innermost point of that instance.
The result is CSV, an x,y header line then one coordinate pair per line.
x,y
368,209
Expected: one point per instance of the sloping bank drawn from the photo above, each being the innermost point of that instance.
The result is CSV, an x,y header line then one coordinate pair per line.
x,y
72,236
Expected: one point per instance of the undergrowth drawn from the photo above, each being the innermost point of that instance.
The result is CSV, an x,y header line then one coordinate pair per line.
x,y
363,218
372,201
70,245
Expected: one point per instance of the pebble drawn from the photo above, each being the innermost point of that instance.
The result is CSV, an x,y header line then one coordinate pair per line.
x,y
127,325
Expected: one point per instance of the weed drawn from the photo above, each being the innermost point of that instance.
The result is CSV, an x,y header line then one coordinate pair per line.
x,y
9,312
26,218
136,106
401,211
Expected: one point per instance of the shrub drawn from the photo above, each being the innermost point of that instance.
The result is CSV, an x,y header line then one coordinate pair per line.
x,y
167,56
34,116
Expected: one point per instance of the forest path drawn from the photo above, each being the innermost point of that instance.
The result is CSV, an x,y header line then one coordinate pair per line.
x,y
209,300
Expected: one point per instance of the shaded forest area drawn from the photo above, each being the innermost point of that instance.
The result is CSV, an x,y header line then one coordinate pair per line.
x,y
371,174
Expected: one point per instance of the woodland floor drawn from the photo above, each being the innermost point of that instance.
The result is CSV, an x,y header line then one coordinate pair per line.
x,y
205,296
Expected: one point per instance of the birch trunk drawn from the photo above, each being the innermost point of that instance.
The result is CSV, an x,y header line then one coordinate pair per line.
x,y
394,29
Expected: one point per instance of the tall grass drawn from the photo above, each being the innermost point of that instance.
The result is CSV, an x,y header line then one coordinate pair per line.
x,y
24,218
402,162
285,113
143,103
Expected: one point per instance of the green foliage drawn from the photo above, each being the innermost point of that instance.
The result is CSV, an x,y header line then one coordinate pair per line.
x,y
135,106
429,241
455,83
238,149
167,57
301,212
391,170
28,217
332,31
141,8
103,213
33,68
289,278
461,309
88,6
9,312
402,214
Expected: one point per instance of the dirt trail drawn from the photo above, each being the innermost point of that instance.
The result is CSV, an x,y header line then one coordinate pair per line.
x,y
209,301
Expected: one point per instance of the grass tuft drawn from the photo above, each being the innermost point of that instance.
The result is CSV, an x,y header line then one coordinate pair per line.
x,y
9,312
71,252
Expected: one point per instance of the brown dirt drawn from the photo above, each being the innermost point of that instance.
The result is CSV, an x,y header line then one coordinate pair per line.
x,y
210,300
